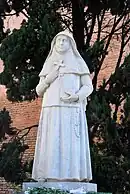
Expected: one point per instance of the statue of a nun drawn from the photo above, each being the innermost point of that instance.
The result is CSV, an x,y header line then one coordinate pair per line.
x,y
62,147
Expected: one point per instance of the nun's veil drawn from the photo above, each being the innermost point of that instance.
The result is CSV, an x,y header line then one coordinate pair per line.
x,y
75,62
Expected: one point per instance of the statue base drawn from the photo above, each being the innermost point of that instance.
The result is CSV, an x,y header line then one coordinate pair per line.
x,y
72,187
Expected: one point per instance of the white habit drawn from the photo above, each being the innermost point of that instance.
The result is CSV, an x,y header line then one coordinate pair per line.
x,y
62,147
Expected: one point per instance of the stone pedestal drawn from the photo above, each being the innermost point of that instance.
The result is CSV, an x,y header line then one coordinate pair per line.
x,y
73,187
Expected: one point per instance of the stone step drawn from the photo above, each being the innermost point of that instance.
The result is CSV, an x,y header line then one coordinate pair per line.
x,y
72,187
66,186
86,193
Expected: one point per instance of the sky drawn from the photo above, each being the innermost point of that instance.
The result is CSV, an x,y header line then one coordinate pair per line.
x,y
10,22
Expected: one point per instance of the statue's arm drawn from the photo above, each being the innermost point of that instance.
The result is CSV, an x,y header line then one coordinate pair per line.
x,y
45,81
86,87
42,86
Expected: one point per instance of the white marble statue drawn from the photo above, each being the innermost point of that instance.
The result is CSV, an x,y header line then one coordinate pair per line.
x,y
62,147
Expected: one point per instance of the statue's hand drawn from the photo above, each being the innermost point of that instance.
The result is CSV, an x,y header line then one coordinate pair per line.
x,y
52,75
70,98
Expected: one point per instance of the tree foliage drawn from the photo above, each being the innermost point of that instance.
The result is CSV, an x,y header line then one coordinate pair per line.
x,y
24,51
13,146
5,125
111,156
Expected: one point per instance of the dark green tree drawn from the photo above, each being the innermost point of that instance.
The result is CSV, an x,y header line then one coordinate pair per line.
x,y
5,125
12,168
26,50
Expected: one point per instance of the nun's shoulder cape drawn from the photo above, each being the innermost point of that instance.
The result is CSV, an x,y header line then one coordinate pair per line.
x,y
73,60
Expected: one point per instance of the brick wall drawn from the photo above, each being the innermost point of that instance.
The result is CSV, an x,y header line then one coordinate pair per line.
x,y
23,115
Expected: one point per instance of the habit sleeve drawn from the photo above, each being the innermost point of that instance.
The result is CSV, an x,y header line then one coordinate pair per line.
x,y
86,87
41,87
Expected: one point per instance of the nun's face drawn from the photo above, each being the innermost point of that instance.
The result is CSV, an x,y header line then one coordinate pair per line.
x,y
62,43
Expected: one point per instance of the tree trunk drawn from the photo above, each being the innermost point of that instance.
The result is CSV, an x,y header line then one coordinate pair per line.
x,y
78,23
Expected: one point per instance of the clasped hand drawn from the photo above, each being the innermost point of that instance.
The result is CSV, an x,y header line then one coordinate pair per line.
x,y
70,98
52,75
55,72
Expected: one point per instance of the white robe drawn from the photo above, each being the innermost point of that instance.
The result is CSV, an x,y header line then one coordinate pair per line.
x,y
62,146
